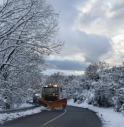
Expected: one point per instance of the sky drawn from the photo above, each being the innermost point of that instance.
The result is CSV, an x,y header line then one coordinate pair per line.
x,y
93,31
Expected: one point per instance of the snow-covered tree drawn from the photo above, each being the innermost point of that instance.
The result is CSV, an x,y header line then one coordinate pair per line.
x,y
27,29
56,78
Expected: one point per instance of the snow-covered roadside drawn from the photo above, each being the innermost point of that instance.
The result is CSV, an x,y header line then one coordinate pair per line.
x,y
109,117
25,105
5,117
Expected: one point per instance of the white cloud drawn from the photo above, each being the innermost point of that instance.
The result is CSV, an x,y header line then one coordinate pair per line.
x,y
81,46
101,17
93,17
104,18
1,2
93,30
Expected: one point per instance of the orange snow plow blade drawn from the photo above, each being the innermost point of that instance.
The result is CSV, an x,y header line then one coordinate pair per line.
x,y
55,104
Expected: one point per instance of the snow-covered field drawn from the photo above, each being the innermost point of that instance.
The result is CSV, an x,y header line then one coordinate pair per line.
x,y
109,117
11,116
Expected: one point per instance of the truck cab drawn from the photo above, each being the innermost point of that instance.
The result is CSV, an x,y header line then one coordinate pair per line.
x,y
51,93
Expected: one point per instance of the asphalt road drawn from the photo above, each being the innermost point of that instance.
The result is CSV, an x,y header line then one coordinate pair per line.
x,y
73,117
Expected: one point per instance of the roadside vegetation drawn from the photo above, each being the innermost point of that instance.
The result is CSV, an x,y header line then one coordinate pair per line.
x,y
27,29
101,86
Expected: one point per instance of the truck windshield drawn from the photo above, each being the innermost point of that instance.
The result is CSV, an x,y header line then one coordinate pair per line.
x,y
50,90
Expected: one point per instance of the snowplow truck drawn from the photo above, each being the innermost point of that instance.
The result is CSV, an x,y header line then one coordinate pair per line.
x,y
51,97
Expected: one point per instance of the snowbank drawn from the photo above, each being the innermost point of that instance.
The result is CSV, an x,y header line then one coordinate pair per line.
x,y
25,105
11,116
109,117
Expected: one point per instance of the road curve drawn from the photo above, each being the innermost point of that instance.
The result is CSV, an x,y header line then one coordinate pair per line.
x,y
74,117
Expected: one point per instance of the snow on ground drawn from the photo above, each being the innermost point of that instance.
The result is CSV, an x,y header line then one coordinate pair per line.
x,y
5,117
24,105
109,117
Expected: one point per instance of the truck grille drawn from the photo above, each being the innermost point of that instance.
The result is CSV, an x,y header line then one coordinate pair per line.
x,y
50,98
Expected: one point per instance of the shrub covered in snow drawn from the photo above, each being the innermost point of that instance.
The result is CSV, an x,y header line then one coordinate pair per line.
x,y
107,91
